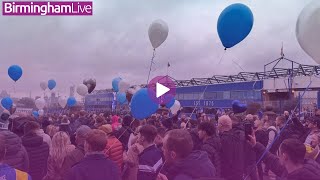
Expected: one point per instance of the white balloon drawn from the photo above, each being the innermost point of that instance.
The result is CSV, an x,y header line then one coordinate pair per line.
x,y
82,90
176,107
41,112
44,85
158,33
123,86
308,28
62,102
40,103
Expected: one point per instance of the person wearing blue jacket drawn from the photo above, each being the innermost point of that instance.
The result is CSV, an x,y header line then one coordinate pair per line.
x,y
6,171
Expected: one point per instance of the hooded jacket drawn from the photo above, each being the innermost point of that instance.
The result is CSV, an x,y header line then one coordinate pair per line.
x,y
196,165
38,152
309,171
16,155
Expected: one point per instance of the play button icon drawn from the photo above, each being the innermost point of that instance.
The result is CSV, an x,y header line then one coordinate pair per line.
x,y
161,89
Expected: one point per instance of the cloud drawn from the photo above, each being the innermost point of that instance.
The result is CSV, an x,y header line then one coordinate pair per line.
x,y
114,42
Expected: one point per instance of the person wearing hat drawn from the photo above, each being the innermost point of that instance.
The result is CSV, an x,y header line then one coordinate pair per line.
x,y
78,154
114,148
16,154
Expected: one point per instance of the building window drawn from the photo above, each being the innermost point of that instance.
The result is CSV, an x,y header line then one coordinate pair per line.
x,y
226,95
188,96
210,95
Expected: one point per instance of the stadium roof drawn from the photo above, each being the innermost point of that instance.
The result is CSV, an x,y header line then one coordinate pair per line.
x,y
295,69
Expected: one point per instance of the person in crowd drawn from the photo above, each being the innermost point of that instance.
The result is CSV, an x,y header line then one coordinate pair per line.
x,y
82,120
95,165
114,148
37,149
291,163
46,137
7,172
61,147
211,144
115,123
314,126
124,133
65,125
262,136
182,162
78,153
287,132
52,130
131,161
99,121
150,159
232,154
167,124
16,155
158,141
269,112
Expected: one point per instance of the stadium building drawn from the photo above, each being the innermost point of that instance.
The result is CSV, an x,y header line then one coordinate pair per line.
x,y
283,88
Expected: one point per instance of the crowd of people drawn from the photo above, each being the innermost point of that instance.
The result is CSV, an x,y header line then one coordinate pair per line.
x,y
106,146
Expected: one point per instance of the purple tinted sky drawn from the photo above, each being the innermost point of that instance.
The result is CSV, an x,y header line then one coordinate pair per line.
x,y
114,42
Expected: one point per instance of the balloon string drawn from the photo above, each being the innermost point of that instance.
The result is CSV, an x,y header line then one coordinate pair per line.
x,y
222,56
152,62
198,103
237,64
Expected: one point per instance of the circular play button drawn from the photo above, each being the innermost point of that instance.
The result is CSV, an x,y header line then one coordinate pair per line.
x,y
161,89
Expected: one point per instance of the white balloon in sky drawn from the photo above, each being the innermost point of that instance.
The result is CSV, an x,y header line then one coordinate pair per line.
x,y
308,30
62,102
158,33
123,86
40,103
82,90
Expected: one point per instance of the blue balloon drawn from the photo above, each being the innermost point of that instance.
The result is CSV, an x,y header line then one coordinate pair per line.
x,y
71,101
15,72
121,98
35,114
7,103
171,103
141,105
52,84
115,84
234,24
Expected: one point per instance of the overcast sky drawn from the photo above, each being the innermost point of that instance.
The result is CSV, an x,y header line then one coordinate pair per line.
x,y
114,42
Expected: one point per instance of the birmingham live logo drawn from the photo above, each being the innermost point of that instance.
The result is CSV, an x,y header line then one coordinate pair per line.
x,y
47,8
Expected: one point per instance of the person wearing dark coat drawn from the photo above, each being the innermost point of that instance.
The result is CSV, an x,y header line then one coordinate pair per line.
x,y
37,149
291,163
232,150
95,165
16,154
78,154
123,134
211,144
182,163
